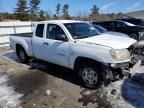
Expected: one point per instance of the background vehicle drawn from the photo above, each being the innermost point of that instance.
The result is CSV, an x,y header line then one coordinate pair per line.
x,y
135,21
138,22
105,31
138,50
79,46
100,28
132,30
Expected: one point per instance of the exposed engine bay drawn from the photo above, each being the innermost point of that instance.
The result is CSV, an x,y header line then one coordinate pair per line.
x,y
137,52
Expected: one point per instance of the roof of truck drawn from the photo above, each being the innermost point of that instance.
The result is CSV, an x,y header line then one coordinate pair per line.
x,y
60,21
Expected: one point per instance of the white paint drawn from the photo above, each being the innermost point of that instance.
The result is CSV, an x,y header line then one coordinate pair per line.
x,y
116,33
65,53
110,40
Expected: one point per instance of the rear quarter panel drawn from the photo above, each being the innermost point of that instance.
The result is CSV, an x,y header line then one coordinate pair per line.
x,y
25,42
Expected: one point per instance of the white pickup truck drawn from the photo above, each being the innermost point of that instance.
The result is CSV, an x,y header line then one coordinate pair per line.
x,y
76,45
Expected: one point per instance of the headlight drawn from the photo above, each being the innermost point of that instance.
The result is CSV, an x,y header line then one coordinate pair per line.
x,y
120,54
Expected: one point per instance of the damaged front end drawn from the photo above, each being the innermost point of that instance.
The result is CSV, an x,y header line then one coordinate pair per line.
x,y
137,52
113,72
117,71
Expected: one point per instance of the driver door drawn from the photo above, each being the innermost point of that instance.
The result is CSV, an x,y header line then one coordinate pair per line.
x,y
56,51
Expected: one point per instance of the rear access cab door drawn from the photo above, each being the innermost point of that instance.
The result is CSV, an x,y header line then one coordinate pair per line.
x,y
38,41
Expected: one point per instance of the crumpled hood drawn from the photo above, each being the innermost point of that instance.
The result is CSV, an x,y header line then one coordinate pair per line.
x,y
115,42
116,33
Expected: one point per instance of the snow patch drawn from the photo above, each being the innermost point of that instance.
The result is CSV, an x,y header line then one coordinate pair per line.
x,y
116,100
9,98
129,93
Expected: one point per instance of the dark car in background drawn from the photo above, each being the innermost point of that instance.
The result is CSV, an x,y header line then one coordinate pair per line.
x,y
105,31
135,21
132,30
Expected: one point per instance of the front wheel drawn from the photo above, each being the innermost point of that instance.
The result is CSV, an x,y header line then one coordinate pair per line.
x,y
91,76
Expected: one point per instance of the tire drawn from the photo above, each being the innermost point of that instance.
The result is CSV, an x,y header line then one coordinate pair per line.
x,y
22,56
91,75
135,36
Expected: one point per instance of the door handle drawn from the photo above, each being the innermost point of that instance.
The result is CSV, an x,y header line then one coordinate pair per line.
x,y
45,43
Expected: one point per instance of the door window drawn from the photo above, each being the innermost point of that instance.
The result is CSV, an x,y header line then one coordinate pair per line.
x,y
53,31
119,24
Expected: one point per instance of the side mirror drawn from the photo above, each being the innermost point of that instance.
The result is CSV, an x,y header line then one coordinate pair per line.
x,y
61,37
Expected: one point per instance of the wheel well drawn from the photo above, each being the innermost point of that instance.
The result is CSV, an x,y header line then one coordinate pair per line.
x,y
17,47
81,60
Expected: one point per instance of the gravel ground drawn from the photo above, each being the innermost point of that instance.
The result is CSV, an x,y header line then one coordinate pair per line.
x,y
38,85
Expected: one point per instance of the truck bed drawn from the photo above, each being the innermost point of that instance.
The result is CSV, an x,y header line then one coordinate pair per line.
x,y
23,39
23,34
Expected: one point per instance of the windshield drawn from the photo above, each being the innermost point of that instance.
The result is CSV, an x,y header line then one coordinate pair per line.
x,y
100,29
129,24
81,30
136,21
141,22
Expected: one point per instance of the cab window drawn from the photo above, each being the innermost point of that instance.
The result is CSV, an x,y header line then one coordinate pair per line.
x,y
39,30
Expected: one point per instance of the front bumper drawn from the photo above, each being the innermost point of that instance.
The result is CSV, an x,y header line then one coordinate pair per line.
x,y
117,71
119,65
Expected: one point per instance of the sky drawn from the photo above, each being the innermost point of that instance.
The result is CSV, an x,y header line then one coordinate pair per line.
x,y
81,6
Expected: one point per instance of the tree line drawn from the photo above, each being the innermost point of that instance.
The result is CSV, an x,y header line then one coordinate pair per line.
x,y
30,11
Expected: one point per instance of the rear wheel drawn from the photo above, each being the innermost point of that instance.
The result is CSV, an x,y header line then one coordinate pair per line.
x,y
22,56
91,75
